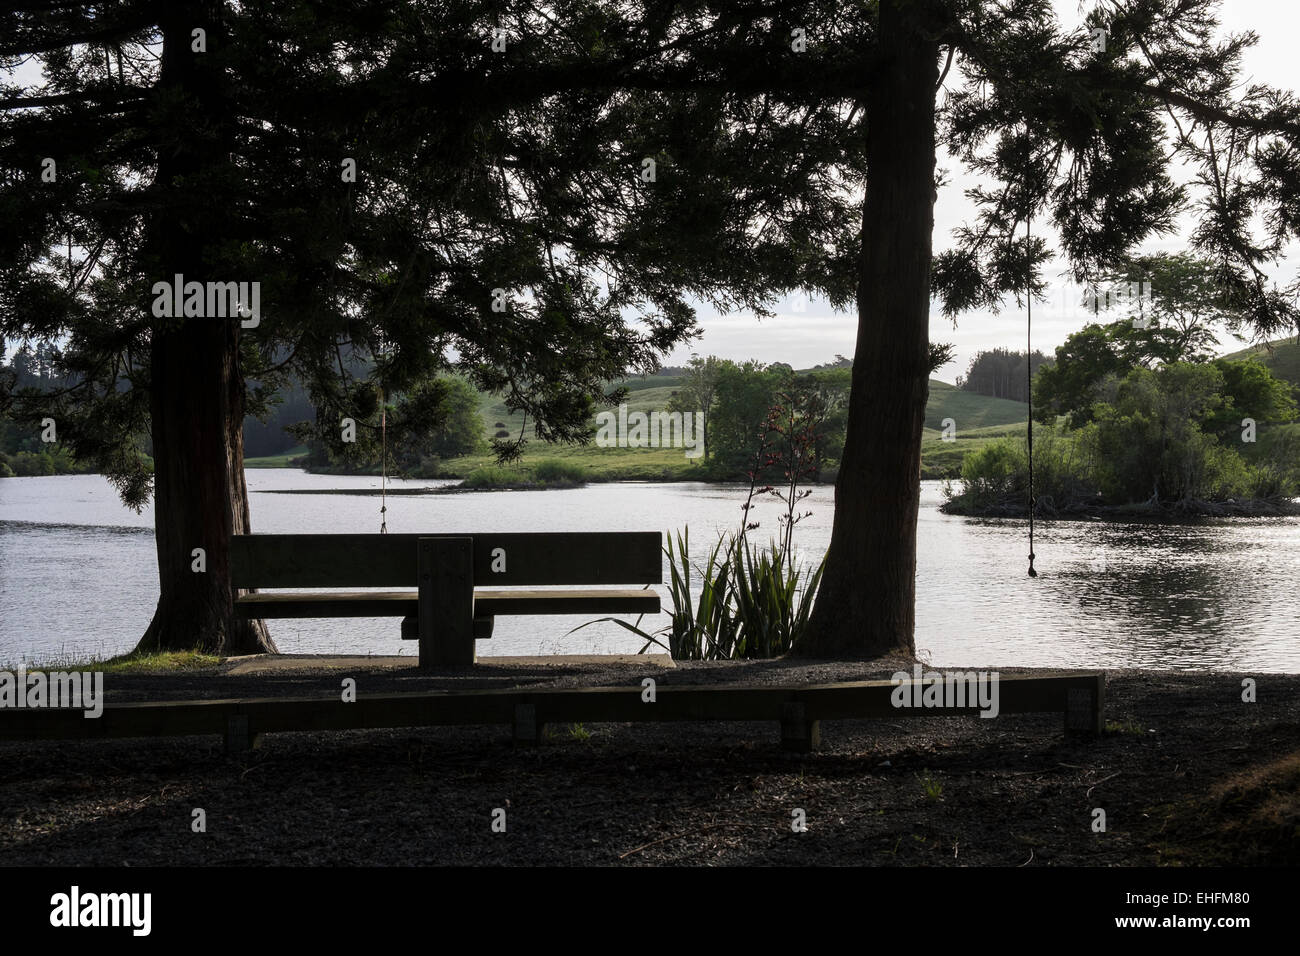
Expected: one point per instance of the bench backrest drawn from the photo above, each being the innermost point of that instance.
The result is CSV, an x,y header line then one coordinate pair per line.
x,y
391,560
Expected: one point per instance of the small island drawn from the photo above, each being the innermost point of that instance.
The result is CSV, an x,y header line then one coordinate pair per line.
x,y
1136,421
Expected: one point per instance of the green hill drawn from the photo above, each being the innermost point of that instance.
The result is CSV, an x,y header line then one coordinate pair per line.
x,y
646,396
977,420
969,410
1283,361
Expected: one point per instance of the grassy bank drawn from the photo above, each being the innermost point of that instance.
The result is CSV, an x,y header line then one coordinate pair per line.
x,y
283,460
546,473
156,663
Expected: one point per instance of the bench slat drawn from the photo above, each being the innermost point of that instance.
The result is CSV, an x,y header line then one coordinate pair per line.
x,y
389,560
488,602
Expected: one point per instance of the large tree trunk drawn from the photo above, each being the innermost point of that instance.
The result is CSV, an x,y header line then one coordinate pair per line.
x,y
866,605
196,387
200,498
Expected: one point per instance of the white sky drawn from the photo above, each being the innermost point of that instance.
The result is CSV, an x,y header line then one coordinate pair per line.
x,y
815,335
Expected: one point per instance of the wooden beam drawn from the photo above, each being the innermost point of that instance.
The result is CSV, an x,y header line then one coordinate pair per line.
x,y
482,628
847,700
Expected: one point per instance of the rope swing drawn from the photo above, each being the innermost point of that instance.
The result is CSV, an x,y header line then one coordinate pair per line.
x,y
383,464
1029,381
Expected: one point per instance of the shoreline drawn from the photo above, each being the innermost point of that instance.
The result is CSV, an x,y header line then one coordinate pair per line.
x,y
1175,513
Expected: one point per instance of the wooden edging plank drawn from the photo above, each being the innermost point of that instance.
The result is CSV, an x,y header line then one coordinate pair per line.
x,y
838,701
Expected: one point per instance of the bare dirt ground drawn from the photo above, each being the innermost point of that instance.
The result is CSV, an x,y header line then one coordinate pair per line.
x,y
1186,774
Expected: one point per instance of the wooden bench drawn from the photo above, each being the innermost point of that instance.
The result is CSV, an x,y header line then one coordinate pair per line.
x,y
461,582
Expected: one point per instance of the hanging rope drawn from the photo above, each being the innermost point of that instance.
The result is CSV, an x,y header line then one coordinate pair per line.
x,y
383,464
1029,381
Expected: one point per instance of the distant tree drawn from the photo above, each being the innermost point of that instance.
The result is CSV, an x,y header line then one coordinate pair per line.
x,y
1250,390
1149,440
697,392
268,434
1179,294
438,419
1073,383
828,389
1069,386
744,396
457,428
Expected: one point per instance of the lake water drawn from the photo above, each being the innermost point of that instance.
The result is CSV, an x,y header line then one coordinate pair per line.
x,y
78,573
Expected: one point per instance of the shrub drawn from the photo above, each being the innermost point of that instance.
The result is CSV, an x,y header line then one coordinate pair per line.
x,y
493,476
1276,470
552,471
998,474
772,598
28,464
996,471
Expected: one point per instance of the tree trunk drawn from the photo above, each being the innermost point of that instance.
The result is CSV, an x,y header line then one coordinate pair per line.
x,y
200,498
866,604
196,387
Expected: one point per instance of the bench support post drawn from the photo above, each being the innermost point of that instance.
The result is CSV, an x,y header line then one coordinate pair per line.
x,y
525,729
446,620
1083,707
239,738
482,628
798,733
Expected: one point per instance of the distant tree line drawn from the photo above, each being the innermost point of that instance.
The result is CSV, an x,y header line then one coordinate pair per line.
x,y
23,451
1001,373
449,430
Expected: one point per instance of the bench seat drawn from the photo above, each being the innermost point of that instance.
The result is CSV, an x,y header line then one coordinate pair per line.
x,y
446,603
488,602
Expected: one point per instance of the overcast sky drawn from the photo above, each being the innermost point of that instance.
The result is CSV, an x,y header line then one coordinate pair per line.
x,y
815,335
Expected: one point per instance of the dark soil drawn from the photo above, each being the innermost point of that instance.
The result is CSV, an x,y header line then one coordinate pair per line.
x,y
1187,774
